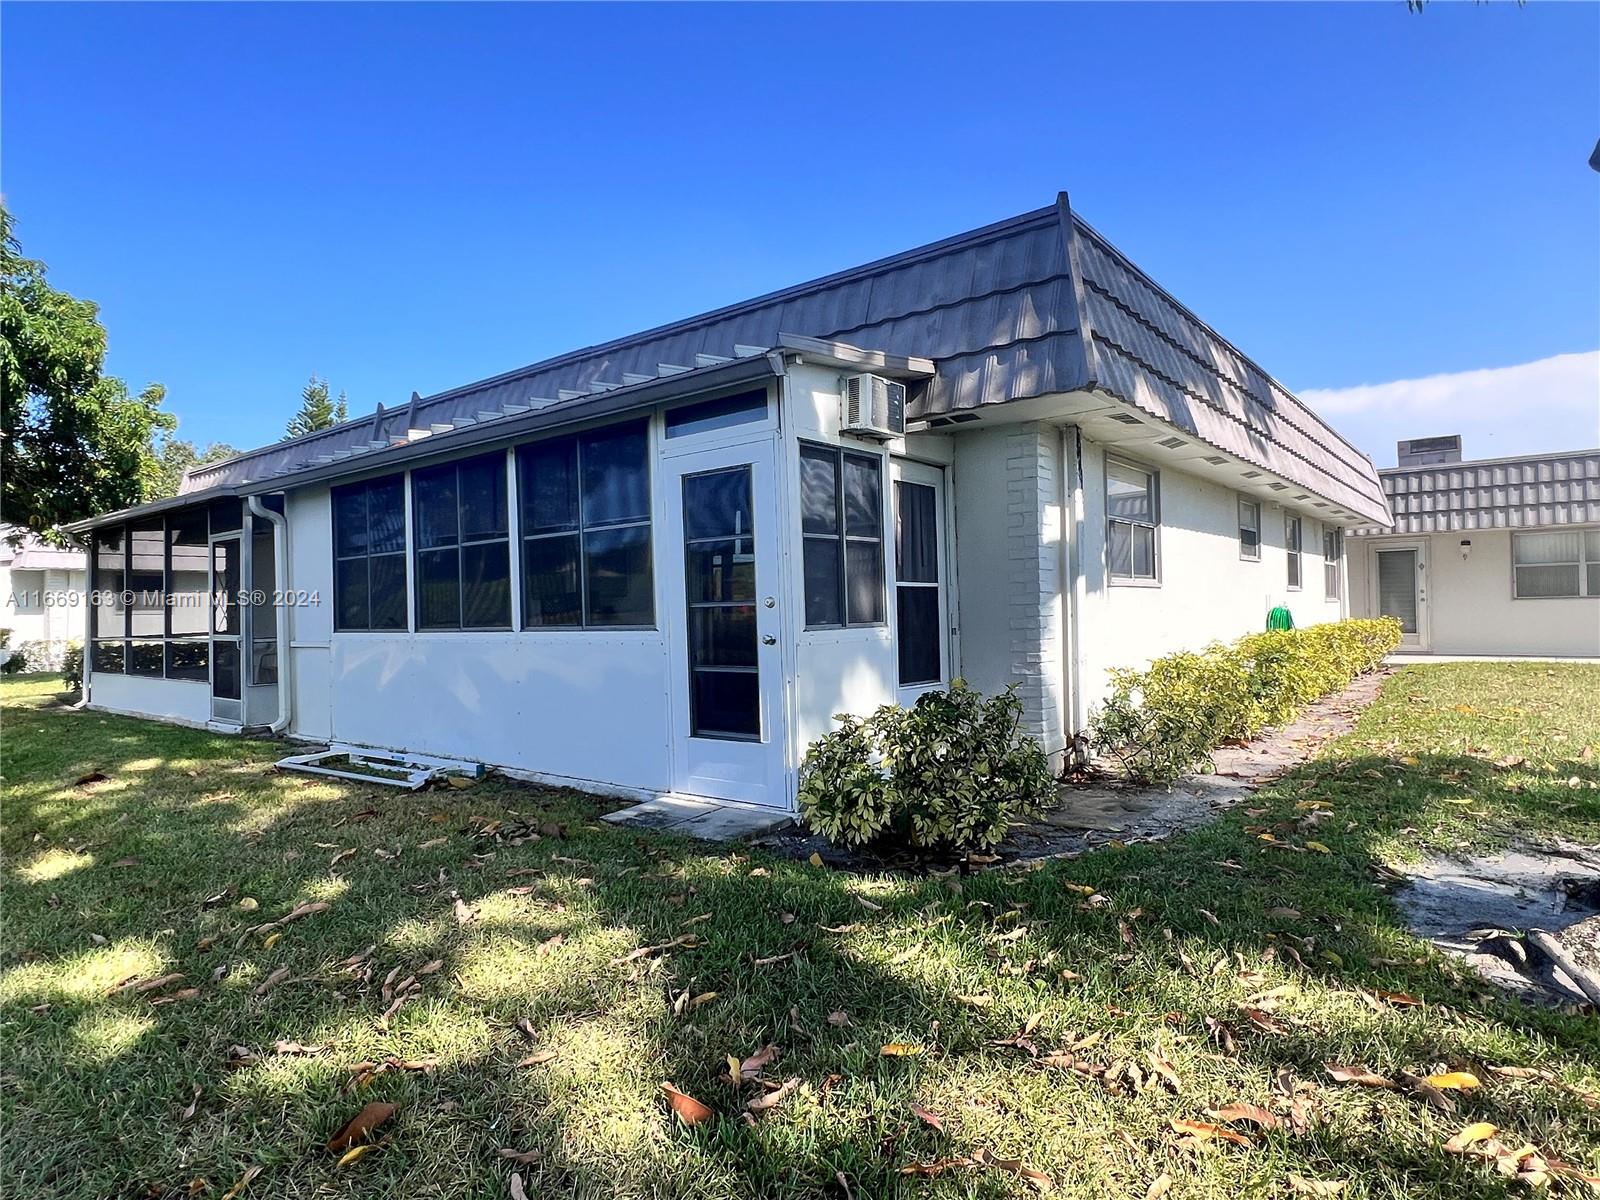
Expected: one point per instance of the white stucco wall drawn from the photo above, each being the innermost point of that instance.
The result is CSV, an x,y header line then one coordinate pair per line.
x,y
42,605
182,700
1470,608
1206,591
838,670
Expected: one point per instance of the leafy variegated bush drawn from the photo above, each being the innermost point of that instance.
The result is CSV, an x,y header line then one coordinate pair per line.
x,y
1166,719
950,772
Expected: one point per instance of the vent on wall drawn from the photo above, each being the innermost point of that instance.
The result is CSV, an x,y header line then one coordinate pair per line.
x,y
1172,443
1125,418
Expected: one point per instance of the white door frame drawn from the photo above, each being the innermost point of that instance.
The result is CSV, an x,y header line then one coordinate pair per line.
x,y
1421,639
754,770
903,470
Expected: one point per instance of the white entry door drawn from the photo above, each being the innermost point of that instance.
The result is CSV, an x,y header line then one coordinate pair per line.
x,y
921,581
1401,579
725,621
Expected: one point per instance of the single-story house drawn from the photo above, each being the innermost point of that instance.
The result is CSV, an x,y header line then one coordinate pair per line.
x,y
41,594
662,564
1491,556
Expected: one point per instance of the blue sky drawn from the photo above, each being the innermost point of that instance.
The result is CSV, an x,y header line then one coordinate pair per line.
x,y
416,196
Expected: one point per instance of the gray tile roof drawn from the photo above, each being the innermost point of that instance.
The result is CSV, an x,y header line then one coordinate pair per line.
x,y
1031,306
1531,492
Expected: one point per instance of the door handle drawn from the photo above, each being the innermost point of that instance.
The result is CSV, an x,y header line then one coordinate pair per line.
x,y
768,639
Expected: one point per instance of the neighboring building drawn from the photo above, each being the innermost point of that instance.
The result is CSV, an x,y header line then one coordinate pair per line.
x,y
42,600
664,563
1494,556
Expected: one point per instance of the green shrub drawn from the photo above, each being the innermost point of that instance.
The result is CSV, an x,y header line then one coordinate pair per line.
x,y
1166,719
72,666
13,662
950,772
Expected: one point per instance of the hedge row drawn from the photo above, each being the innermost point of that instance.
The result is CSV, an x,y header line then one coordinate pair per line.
x,y
1165,720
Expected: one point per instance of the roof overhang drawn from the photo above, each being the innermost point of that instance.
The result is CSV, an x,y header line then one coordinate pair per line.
x,y
1120,426
701,381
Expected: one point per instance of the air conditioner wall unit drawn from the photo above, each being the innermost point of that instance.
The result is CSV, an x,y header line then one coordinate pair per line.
x,y
872,406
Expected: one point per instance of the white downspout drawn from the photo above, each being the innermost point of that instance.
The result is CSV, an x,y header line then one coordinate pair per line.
x,y
280,567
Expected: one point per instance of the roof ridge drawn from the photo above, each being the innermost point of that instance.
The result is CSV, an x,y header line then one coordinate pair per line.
x,y
1188,312
984,233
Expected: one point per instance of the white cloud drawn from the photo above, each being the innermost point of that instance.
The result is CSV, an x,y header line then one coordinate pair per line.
x,y
1533,408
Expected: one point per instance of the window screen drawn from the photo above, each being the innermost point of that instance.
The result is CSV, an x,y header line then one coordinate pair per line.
x,y
150,597
369,550
1291,540
463,544
585,524
841,526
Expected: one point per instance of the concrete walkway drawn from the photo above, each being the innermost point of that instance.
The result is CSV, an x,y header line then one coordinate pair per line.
x,y
1406,658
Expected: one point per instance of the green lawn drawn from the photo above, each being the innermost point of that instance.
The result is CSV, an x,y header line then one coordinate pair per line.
x,y
1114,961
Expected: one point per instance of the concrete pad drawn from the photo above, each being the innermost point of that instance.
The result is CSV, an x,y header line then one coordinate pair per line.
x,y
734,823
661,813
707,820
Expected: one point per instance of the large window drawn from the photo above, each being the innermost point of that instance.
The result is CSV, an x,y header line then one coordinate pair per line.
x,y
1292,536
841,522
1249,529
369,551
1332,554
463,540
1133,515
151,598
1558,563
584,502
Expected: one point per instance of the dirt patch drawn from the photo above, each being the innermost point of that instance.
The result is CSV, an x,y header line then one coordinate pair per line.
x,y
1094,813
1479,909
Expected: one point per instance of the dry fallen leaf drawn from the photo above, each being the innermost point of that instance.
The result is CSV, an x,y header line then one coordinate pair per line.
x,y
1159,1186
1016,1167
1458,1081
1478,1131
900,1050
537,1058
194,1104
1205,1131
272,981
772,1099
1240,1111
1357,1074
689,1110
352,1154
815,860
242,1183
359,1126
514,1184
520,1156
928,1117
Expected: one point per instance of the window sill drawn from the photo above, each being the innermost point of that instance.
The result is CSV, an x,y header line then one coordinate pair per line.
x,y
1113,581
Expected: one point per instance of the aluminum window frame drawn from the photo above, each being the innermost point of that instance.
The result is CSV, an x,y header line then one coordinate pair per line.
x,y
1153,483
1584,562
838,454
1294,551
1244,554
403,554
1332,564
123,612
416,549
581,529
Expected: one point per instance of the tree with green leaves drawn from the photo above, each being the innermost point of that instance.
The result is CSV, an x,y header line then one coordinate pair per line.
x,y
178,456
75,441
318,410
